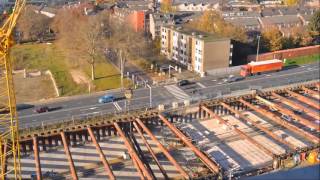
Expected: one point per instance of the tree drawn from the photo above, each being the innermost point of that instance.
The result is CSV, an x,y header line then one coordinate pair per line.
x,y
81,36
212,22
314,25
90,34
271,39
291,2
31,25
166,6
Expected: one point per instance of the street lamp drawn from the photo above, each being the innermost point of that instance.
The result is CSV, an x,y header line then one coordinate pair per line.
x,y
169,69
258,47
150,92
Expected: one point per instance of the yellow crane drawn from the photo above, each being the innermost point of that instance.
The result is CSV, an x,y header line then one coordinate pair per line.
x,y
9,128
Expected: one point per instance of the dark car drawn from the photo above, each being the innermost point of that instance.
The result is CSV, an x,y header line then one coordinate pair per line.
x,y
42,109
183,83
234,79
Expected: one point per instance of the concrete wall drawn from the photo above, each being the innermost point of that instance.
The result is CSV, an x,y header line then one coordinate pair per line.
x,y
224,71
216,55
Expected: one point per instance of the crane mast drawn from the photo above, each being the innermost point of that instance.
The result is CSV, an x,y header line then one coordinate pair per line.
x,y
9,126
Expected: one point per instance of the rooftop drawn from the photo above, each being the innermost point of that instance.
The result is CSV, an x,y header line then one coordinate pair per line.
x,y
265,62
230,13
196,2
306,17
195,33
280,19
266,12
240,21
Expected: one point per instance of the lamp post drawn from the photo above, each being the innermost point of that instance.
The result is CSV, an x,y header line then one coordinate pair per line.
x,y
258,47
170,70
150,92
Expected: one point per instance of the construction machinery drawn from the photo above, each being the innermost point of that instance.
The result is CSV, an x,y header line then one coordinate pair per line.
x,y
9,135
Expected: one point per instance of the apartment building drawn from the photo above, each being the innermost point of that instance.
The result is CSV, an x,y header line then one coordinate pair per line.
x,y
134,13
198,51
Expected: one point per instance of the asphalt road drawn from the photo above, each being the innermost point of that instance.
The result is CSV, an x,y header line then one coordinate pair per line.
x,y
208,87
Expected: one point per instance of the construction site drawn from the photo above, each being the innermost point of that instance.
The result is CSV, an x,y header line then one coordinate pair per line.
x,y
229,137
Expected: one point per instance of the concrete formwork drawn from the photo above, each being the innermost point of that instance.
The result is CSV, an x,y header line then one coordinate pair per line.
x,y
232,135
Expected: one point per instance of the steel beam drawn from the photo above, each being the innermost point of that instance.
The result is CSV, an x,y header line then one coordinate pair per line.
x,y
163,149
282,122
101,154
297,106
132,152
151,151
259,126
69,157
311,92
37,158
284,110
238,131
304,99
204,158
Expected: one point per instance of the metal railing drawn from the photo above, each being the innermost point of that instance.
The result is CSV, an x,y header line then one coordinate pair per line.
x,y
93,118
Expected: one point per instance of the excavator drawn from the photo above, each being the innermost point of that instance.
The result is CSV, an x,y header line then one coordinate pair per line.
x,y
9,126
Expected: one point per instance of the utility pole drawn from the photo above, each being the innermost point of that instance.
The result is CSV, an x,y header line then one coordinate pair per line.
x,y
258,47
170,70
121,68
150,92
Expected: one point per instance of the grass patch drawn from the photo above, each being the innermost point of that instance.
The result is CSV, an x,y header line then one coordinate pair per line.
x,y
107,76
46,57
303,60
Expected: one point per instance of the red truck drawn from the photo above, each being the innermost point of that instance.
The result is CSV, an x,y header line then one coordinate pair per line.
x,y
253,68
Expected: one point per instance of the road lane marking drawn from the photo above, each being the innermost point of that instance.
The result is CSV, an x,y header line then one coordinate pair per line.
x,y
144,97
117,106
177,92
93,108
201,85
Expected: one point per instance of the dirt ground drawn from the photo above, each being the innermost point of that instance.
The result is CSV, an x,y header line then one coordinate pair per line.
x,y
33,88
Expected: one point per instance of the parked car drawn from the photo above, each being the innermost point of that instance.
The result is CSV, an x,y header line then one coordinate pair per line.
x,y
42,109
183,83
106,99
234,79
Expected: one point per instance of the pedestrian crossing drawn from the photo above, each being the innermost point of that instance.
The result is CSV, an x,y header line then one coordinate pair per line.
x,y
177,92
201,85
117,106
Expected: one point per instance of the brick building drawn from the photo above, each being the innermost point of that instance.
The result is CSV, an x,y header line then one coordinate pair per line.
x,y
136,14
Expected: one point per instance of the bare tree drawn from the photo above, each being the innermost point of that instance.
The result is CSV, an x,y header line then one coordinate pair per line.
x,y
82,36
90,39
32,25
